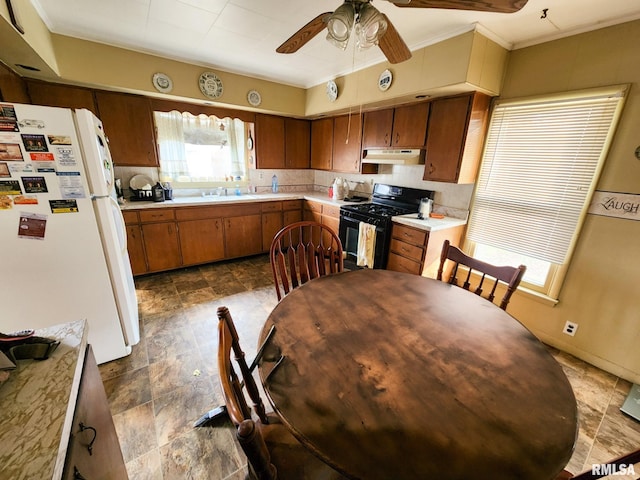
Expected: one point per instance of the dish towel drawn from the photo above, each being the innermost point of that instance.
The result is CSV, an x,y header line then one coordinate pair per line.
x,y
366,244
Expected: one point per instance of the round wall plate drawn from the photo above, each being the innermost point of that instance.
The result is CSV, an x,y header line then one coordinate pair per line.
x,y
384,81
210,85
162,82
254,98
332,91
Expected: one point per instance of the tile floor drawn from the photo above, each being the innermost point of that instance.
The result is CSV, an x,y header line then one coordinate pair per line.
x,y
170,379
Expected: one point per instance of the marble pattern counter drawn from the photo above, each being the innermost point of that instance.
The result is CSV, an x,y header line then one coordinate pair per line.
x,y
225,200
37,404
429,224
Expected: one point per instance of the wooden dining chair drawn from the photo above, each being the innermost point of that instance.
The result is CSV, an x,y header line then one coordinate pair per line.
x,y
301,252
271,450
604,469
511,276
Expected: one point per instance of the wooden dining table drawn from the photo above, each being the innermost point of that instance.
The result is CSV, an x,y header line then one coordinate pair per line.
x,y
386,375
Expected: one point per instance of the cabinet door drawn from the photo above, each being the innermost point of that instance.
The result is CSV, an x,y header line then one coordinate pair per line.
x,y
93,426
136,250
272,223
161,246
377,128
65,96
321,143
347,143
128,122
410,125
269,141
12,87
445,138
297,143
243,235
201,241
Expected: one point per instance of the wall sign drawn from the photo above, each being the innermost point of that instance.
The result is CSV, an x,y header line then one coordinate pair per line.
x,y
615,204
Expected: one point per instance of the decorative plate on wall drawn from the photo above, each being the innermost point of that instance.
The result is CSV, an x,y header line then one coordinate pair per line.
x,y
254,98
332,91
162,82
384,81
210,85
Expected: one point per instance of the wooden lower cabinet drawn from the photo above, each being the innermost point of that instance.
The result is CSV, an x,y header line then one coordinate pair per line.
x,y
135,247
201,241
94,451
416,251
161,246
243,235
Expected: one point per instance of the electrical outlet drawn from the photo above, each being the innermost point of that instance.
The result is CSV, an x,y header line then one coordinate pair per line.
x,y
570,328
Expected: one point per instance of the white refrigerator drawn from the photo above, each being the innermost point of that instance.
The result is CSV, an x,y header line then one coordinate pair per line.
x,y
63,250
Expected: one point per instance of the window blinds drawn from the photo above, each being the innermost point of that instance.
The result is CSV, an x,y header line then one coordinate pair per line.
x,y
539,167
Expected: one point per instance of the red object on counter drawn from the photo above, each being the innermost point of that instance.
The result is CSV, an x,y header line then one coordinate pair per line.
x,y
330,192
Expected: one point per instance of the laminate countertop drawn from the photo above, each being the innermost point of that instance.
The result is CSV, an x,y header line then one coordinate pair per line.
x,y
37,404
230,199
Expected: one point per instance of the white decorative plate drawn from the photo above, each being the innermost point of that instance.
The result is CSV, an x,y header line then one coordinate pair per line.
x,y
162,82
384,81
254,98
210,85
332,91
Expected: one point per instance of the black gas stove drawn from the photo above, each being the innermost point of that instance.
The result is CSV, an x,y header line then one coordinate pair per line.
x,y
387,201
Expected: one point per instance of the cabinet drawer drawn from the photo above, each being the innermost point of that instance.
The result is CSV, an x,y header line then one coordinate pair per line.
x,y
271,207
406,250
291,204
408,234
156,215
197,213
402,264
130,218
331,211
313,206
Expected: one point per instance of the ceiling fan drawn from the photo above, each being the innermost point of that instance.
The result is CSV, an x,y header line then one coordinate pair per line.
x,y
372,27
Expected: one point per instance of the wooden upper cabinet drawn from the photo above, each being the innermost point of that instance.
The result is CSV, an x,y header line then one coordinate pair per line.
x,y
12,87
297,143
401,127
55,95
347,151
377,128
457,127
270,144
321,143
128,123
410,125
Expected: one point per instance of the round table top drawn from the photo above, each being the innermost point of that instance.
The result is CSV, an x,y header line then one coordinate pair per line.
x,y
388,375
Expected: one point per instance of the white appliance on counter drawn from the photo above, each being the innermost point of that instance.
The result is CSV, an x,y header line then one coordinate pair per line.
x,y
63,249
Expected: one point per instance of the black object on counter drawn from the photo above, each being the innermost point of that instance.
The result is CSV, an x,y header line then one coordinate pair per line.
x,y
158,193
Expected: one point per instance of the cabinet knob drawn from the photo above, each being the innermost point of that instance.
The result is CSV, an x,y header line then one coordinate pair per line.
x,y
76,474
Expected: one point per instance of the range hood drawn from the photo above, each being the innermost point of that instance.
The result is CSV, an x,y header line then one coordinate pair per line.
x,y
393,156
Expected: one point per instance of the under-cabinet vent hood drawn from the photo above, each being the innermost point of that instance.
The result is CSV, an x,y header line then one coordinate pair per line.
x,y
393,156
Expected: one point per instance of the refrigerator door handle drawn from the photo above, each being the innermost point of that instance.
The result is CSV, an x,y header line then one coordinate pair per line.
x,y
122,226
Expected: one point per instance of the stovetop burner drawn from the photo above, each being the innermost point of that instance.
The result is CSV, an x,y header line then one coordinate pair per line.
x,y
376,209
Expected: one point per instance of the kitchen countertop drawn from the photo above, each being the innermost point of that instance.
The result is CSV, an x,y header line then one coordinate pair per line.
x,y
248,198
37,404
430,224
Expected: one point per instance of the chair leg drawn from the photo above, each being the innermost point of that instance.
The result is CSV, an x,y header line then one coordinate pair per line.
x,y
255,449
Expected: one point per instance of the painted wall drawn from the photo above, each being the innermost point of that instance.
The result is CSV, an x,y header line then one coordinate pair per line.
x,y
600,291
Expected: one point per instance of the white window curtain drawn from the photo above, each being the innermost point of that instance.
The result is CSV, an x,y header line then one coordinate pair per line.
x,y
176,129
541,161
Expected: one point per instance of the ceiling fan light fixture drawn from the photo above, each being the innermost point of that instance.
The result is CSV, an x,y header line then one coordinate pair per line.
x,y
340,24
370,26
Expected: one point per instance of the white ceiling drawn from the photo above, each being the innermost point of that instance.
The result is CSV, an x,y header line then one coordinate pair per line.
x,y
241,35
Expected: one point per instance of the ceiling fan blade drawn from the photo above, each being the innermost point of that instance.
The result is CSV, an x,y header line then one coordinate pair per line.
x,y
499,6
306,33
392,45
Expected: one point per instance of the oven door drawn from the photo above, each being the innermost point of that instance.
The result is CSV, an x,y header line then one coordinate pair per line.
x,y
349,231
